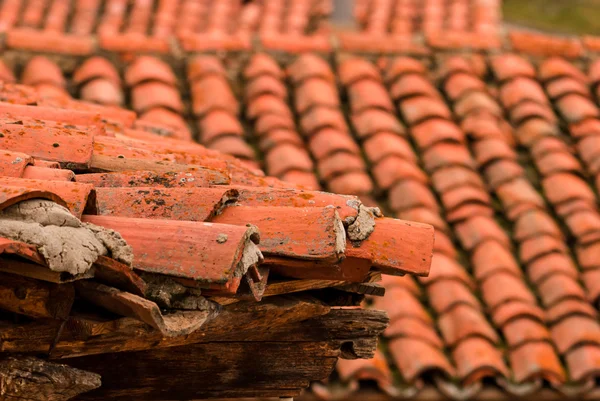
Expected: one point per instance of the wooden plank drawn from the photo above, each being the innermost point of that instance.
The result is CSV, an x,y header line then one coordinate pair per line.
x,y
32,379
291,286
373,289
205,370
38,272
119,275
35,298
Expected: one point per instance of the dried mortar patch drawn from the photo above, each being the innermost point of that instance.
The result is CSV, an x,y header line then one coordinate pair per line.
x,y
364,224
66,244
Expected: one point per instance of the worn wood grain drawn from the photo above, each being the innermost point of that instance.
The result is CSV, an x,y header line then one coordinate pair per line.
x,y
35,298
204,370
31,379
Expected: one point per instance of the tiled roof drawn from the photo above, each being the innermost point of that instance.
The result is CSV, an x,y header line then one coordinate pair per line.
x,y
486,133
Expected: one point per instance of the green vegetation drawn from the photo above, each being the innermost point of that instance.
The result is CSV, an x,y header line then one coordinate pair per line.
x,y
561,16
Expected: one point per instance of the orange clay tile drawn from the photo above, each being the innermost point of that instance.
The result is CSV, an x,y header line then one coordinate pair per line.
x,y
411,327
386,247
492,257
261,64
322,117
218,123
535,223
14,192
268,122
356,183
267,104
583,224
354,69
591,281
424,215
566,85
534,129
557,163
409,194
21,249
551,264
444,155
233,145
443,244
582,362
131,43
503,287
463,322
41,70
516,193
474,231
314,92
461,84
152,94
449,178
477,102
202,65
516,309
6,73
417,109
445,268
400,303
265,84
93,68
278,136
45,173
71,148
487,151
519,90
508,66
536,360
414,357
402,65
286,157
569,307
193,204
324,242
210,93
328,141
574,330
375,369
147,68
482,126
303,179
538,246
368,94
101,91
45,41
554,67
589,148
563,187
476,358
575,108
528,110
13,164
545,45
339,164
412,85
180,248
385,144
373,121
308,66
393,169
468,210
163,117
431,132
446,294
296,44
557,288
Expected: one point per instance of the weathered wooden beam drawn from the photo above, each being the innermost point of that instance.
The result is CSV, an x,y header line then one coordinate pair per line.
x,y
229,369
38,272
35,298
31,379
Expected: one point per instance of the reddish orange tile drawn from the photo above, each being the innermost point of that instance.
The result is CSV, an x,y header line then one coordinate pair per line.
x,y
308,66
444,295
354,69
458,198
551,264
296,44
233,145
554,67
443,244
569,307
321,117
262,64
431,132
313,92
400,303
535,223
148,95
563,187
279,136
477,102
265,104
286,157
536,360
558,162
328,141
573,331
490,258
520,89
6,74
491,150
13,164
478,229
338,164
384,144
512,310
373,121
393,169
482,126
218,123
528,110
583,362
265,84
503,287
557,288
544,45
368,94
410,327
411,85
444,155
534,129
414,357
575,108
409,194
202,65
453,177
477,358
463,322
102,91
45,41
354,183
539,246
567,85
403,65
584,224
417,109
424,215
268,122
508,66
518,196
147,68
304,179
45,173
213,92
445,268
96,67
41,70
461,84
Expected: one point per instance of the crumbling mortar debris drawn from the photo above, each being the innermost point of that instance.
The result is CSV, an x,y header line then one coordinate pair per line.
x,y
67,244
364,223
